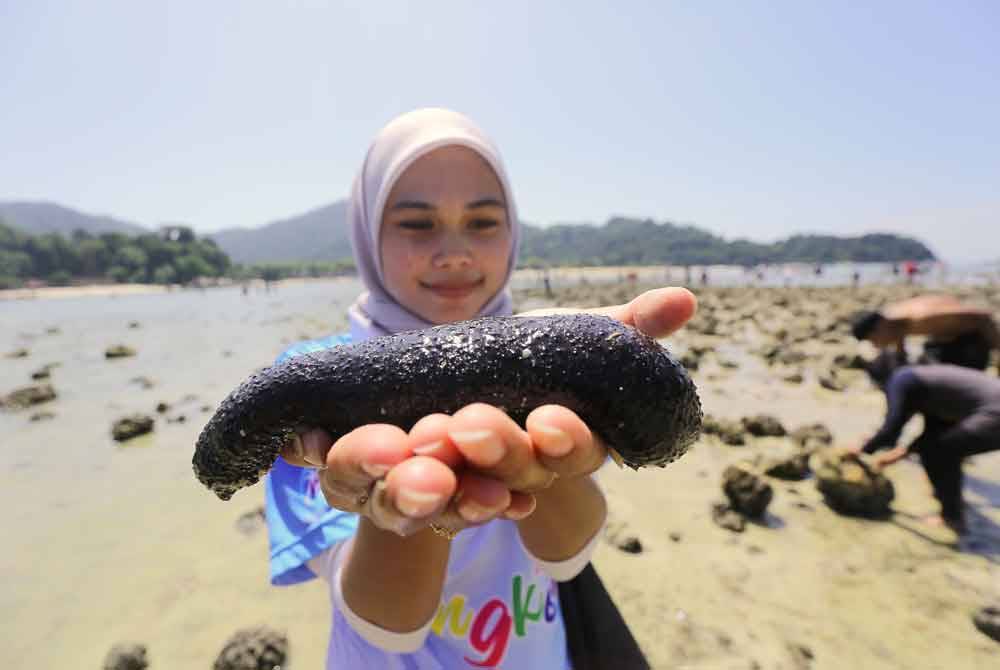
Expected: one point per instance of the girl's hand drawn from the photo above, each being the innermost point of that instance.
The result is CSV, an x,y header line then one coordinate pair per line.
x,y
402,482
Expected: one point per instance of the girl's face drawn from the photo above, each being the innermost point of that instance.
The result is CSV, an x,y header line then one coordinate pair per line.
x,y
445,238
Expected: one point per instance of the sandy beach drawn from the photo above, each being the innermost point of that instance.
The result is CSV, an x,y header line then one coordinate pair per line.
x,y
117,542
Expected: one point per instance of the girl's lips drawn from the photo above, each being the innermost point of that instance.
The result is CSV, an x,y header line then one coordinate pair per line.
x,y
454,290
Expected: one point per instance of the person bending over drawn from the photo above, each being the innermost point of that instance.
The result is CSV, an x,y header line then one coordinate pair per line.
x,y
961,411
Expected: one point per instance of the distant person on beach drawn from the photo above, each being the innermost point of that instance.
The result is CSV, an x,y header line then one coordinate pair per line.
x,y
957,333
455,544
961,412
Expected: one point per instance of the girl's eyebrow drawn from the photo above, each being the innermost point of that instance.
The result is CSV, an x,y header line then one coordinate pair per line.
x,y
412,204
485,202
419,204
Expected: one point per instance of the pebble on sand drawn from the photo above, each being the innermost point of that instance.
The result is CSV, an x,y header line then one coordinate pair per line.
x,y
131,426
28,395
119,351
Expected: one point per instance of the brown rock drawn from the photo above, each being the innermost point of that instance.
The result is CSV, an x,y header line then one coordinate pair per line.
x,y
119,351
793,378
747,492
126,657
726,517
814,434
131,426
831,382
987,621
792,466
764,425
849,484
259,648
29,395
730,432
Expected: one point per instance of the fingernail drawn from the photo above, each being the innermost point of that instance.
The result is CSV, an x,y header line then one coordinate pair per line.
x,y
376,470
485,443
295,444
311,453
417,503
427,449
474,512
556,442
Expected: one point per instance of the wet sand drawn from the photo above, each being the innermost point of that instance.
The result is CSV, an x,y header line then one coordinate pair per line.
x,y
116,543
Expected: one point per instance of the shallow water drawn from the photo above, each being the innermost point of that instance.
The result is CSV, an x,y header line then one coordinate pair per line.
x,y
110,542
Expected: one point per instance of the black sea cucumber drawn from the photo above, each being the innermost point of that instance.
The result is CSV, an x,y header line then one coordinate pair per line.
x,y
622,383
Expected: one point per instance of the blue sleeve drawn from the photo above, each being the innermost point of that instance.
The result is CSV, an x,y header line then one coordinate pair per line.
x,y
899,392
300,525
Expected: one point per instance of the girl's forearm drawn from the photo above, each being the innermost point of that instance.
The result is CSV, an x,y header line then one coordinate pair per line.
x,y
394,582
566,517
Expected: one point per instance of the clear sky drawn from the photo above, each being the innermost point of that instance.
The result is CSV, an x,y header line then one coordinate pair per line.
x,y
750,119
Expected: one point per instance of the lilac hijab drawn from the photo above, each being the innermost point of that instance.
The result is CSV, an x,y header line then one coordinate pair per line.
x,y
405,139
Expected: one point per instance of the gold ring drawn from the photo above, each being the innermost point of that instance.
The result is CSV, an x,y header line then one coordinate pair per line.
x,y
441,531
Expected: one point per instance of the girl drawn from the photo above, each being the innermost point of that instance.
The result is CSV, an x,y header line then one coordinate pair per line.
x,y
435,235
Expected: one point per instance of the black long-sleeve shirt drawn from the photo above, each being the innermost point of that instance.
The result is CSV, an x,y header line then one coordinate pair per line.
x,y
944,394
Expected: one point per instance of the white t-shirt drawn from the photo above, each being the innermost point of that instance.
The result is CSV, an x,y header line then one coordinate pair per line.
x,y
499,609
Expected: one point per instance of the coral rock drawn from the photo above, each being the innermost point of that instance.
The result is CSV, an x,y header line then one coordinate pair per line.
x,y
131,426
259,648
747,492
849,484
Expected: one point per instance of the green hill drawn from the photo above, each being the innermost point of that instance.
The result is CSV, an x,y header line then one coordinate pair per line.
x,y
321,234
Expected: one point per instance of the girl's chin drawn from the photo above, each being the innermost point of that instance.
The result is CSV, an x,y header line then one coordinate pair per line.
x,y
452,311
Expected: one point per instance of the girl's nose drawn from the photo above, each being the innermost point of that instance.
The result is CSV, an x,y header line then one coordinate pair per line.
x,y
452,253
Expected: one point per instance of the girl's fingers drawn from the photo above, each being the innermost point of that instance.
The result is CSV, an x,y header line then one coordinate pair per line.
x,y
563,442
411,494
307,448
494,445
657,313
429,437
521,506
357,460
480,499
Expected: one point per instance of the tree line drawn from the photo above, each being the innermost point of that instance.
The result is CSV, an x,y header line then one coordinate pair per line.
x,y
624,241
174,255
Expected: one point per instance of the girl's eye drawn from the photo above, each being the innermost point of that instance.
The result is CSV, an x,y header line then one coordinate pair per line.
x,y
416,224
483,224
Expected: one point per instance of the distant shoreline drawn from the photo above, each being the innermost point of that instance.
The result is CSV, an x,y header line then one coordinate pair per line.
x,y
665,273
110,290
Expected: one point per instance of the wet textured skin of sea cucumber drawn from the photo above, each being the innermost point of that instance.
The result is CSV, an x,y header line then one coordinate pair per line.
x,y
622,383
